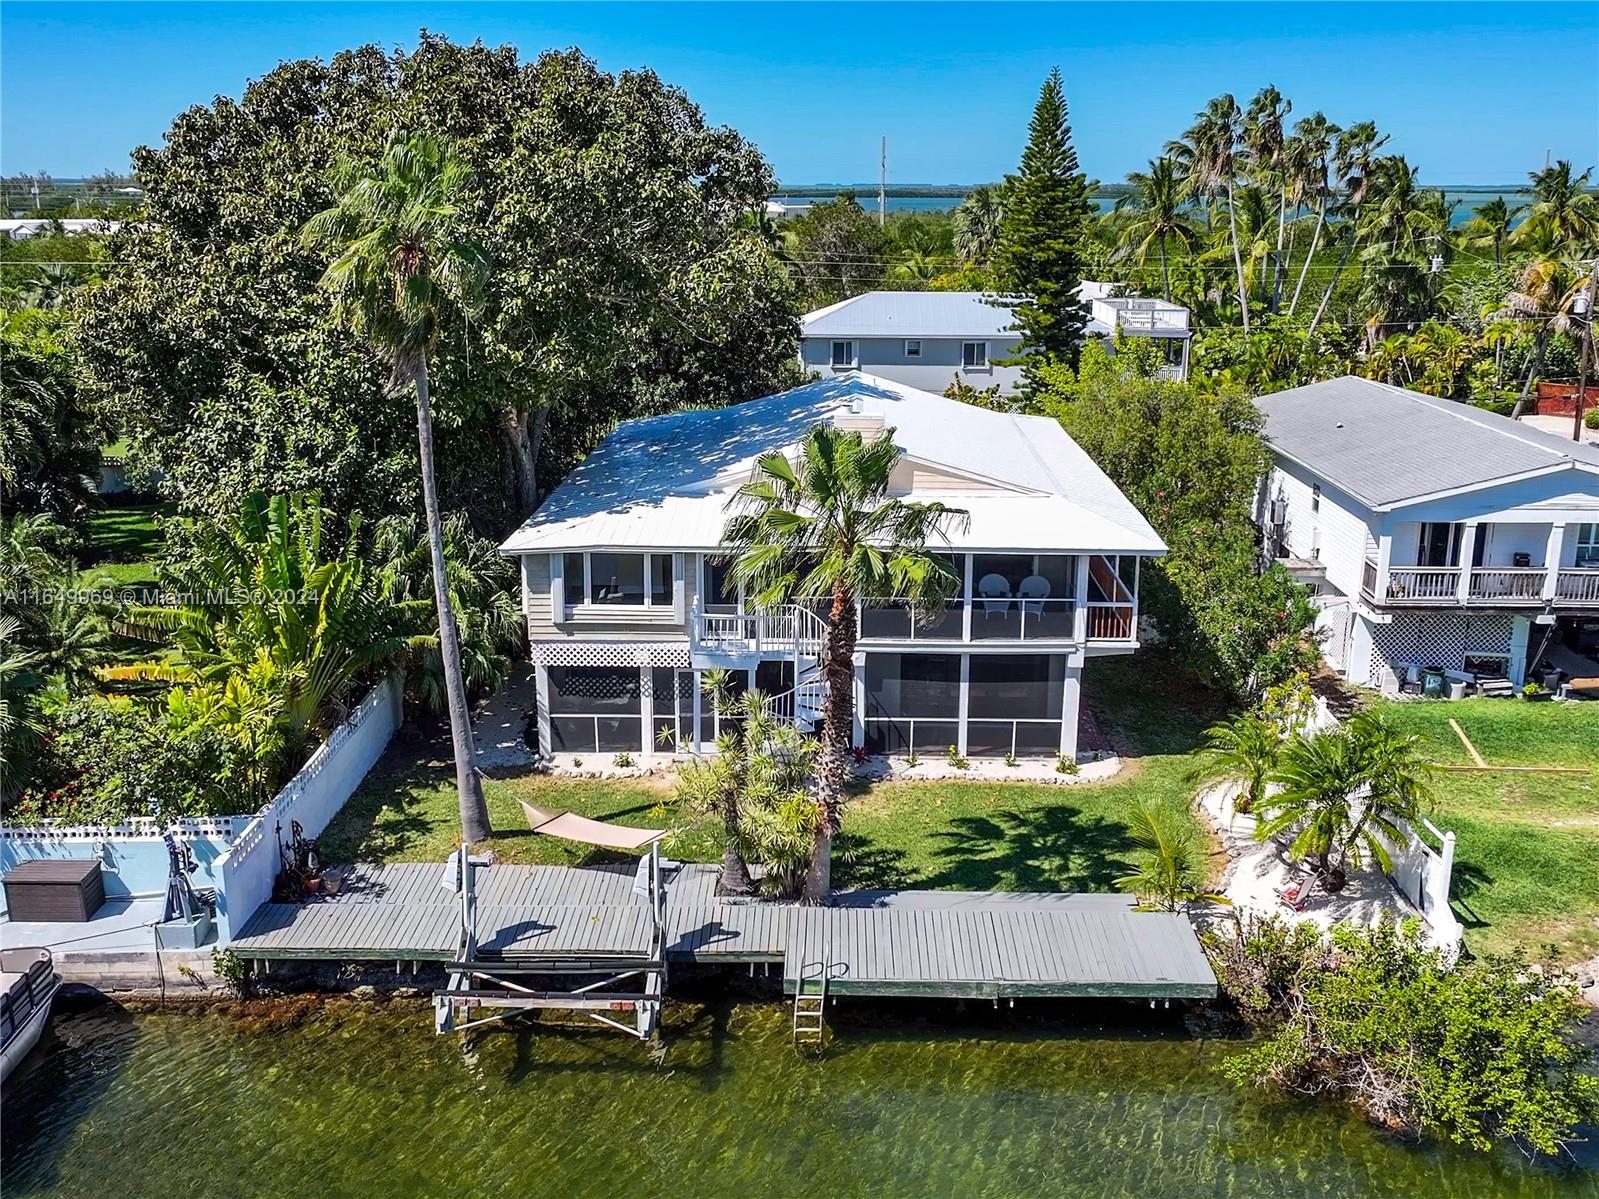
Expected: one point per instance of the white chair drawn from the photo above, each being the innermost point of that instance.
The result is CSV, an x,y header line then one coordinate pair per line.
x,y
1034,591
993,595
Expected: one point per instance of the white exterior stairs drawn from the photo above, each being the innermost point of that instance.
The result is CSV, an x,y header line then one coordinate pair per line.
x,y
744,640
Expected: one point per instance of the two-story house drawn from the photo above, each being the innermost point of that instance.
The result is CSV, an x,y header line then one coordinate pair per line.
x,y
629,597
929,339
1438,535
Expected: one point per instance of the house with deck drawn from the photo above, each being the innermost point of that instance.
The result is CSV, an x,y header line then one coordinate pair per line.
x,y
929,339
630,599
1438,536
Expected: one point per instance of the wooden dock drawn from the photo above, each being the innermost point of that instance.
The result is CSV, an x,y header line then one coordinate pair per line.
x,y
928,943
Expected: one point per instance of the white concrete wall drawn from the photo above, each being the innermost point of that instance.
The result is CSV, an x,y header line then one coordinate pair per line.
x,y
314,796
133,856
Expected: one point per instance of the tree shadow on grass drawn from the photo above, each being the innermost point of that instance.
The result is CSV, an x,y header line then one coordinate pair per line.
x,y
1054,848
386,817
1465,881
860,865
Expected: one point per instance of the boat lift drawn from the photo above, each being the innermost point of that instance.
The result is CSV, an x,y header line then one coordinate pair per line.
x,y
600,982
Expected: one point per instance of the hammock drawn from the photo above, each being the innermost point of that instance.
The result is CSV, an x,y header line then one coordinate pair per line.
x,y
571,827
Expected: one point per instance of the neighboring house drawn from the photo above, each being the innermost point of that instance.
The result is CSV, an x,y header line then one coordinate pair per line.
x,y
21,229
628,601
928,339
1438,535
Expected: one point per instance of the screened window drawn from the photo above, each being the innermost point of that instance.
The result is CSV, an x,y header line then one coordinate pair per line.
x,y
616,579
622,580
843,355
974,354
1016,686
718,589
912,703
595,709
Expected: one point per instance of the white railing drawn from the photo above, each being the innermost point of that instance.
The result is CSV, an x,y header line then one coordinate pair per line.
x,y
1111,621
1507,585
1422,874
1422,584
1577,587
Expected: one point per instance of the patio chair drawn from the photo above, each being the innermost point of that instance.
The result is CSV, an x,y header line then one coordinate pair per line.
x,y
993,593
1296,895
1033,591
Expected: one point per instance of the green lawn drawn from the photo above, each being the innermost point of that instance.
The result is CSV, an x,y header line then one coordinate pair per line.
x,y
1526,845
124,544
928,834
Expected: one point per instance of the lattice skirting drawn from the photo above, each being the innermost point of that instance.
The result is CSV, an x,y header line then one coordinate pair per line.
x,y
1436,639
611,653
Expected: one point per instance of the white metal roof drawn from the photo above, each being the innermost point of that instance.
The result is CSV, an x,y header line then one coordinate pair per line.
x,y
668,482
911,314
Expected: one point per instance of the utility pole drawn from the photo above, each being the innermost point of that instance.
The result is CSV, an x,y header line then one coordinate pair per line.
x,y
1582,309
882,183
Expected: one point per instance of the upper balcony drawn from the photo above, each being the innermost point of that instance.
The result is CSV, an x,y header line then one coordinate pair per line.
x,y
1139,316
1514,566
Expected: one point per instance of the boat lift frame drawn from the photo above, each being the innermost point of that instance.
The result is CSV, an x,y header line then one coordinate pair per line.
x,y
510,984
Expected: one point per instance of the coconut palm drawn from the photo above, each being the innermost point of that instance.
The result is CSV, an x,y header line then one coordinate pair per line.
x,y
1241,750
1207,158
1564,214
1314,136
397,265
20,678
1490,226
1546,296
977,219
1154,206
1343,794
1264,139
1172,875
1356,151
822,527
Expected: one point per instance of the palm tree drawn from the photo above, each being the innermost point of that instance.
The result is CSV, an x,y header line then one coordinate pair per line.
x,y
397,265
1345,791
1564,214
19,679
1242,750
1546,294
1208,159
1173,874
822,527
977,220
1490,226
1315,134
1263,138
1356,151
1155,205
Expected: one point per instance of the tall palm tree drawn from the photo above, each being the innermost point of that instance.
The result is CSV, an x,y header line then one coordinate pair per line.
x,y
398,263
1356,152
977,220
1315,134
822,527
1490,226
1208,159
1546,295
1564,214
1343,792
1265,141
1155,205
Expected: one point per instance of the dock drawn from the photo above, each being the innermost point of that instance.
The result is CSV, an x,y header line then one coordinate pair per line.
x,y
876,943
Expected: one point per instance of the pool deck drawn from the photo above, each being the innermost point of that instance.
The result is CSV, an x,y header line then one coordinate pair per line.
x,y
933,943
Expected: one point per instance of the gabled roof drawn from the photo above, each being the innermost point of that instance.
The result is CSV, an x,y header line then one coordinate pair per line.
x,y
1388,447
667,482
911,314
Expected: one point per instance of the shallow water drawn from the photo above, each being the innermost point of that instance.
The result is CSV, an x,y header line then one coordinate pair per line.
x,y
362,1101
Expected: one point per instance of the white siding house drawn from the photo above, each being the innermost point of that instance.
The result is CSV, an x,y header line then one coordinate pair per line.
x,y
1438,535
929,339
629,600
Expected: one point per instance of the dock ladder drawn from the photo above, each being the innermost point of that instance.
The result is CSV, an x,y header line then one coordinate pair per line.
x,y
810,1004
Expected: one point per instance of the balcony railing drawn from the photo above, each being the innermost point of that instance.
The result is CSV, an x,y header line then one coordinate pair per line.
x,y
1422,584
1486,586
1023,619
1111,622
1577,586
1506,585
892,621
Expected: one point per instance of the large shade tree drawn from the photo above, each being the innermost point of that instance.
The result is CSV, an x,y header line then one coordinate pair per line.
x,y
632,280
399,267
821,527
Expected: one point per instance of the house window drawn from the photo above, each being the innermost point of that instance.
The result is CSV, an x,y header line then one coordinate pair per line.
x,y
622,580
913,347
594,709
1014,705
1315,498
974,355
843,355
1588,545
912,702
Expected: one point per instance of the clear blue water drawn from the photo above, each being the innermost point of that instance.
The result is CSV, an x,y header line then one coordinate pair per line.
x,y
356,1100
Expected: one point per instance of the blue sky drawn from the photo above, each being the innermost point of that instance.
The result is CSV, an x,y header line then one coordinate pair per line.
x,y
815,85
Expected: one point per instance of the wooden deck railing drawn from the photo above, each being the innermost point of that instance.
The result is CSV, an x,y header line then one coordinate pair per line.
x,y
1577,586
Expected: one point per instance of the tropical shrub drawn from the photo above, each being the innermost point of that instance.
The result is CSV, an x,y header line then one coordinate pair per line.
x,y
1478,1054
1172,873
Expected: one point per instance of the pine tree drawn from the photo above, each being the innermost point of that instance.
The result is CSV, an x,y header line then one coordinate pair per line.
x,y
1040,252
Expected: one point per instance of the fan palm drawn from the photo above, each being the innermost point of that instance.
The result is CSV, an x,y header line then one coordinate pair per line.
x,y
1207,157
1154,206
822,527
1172,875
1345,792
1242,750
398,264
977,219
1356,151
1546,295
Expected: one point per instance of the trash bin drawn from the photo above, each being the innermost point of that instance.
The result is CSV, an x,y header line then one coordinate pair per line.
x,y
1432,684
1457,690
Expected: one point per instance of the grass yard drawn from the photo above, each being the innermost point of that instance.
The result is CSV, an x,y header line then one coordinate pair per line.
x,y
925,834
1526,845
124,543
